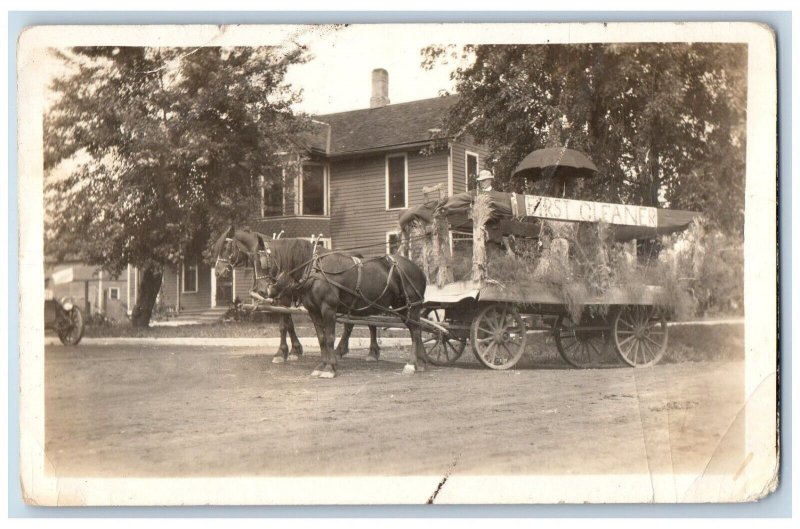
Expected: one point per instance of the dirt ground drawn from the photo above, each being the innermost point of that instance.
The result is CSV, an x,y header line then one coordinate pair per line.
x,y
209,411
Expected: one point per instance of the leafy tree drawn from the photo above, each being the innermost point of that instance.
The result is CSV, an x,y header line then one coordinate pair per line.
x,y
664,123
149,150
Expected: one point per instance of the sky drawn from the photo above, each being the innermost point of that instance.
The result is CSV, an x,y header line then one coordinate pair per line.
x,y
338,77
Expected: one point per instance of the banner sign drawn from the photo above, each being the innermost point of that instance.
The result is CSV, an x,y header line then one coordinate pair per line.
x,y
583,211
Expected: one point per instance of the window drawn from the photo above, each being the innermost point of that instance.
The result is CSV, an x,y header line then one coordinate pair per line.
x,y
393,242
272,195
113,293
396,182
189,278
313,190
472,170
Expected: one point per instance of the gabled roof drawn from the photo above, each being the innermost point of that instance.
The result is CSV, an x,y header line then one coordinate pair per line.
x,y
372,129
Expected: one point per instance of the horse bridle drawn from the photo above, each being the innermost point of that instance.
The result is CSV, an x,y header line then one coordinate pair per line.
x,y
232,257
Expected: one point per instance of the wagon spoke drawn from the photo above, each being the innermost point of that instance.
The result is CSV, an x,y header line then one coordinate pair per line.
x,y
487,331
645,350
626,340
582,352
629,351
658,345
571,345
594,348
492,349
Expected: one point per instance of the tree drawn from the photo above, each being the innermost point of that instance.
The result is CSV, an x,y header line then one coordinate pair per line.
x,y
165,145
664,123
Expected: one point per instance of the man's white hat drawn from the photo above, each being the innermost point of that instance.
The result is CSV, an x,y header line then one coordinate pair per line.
x,y
485,175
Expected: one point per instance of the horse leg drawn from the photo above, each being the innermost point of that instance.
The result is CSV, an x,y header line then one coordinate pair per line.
x,y
318,327
344,342
329,326
283,349
374,350
297,349
416,358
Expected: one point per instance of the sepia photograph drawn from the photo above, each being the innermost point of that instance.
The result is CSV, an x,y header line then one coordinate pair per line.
x,y
398,264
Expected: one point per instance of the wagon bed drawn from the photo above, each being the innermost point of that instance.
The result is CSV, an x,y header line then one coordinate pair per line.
x,y
535,293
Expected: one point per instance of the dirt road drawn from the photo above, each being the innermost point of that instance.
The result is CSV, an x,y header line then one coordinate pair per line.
x,y
213,411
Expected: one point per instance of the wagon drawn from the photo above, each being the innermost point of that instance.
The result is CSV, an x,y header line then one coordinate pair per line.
x,y
496,319
496,322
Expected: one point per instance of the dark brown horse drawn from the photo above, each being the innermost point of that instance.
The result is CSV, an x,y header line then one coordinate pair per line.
x,y
239,247
336,283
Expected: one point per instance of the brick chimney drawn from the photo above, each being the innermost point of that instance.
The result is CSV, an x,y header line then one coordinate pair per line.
x,y
380,88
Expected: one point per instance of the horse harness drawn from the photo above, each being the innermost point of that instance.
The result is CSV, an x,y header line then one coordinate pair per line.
x,y
356,292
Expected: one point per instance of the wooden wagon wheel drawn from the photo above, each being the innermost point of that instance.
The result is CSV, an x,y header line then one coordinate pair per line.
x,y
440,349
498,336
640,335
582,347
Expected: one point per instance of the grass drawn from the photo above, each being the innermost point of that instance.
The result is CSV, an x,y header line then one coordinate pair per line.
x,y
231,329
687,343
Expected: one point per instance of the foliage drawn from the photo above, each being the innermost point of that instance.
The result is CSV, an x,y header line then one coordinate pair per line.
x,y
699,270
148,150
663,122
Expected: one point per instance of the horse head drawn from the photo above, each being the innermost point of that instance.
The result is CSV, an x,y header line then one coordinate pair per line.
x,y
229,254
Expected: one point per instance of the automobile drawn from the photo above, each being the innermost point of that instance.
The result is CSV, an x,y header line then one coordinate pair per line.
x,y
63,316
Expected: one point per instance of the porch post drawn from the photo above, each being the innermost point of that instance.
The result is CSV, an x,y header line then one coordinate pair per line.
x,y
213,289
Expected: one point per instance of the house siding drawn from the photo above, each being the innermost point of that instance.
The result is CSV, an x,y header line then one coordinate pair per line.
x,y
359,218
169,296
460,162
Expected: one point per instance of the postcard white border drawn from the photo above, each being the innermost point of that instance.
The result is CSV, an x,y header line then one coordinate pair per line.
x,y
759,470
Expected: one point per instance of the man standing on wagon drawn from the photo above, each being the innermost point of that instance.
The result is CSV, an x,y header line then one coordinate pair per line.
x,y
485,180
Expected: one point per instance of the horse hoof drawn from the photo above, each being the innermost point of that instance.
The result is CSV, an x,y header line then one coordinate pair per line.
x,y
277,360
316,373
371,358
409,369
327,374
293,358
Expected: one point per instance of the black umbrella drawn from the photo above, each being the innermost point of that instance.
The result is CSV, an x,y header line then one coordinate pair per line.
x,y
555,162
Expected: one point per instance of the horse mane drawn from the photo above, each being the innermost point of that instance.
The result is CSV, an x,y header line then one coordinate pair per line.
x,y
290,254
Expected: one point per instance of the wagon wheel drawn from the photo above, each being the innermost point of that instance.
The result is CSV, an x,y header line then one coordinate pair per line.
x,y
498,336
640,335
440,349
71,332
582,347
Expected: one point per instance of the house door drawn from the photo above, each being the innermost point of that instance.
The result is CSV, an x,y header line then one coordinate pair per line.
x,y
224,292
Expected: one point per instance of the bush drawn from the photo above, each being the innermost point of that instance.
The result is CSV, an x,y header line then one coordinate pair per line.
x,y
100,320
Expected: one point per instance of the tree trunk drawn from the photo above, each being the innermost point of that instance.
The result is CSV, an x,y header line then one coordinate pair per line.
x,y
149,285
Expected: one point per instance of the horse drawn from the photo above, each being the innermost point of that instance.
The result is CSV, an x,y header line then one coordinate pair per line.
x,y
335,283
247,248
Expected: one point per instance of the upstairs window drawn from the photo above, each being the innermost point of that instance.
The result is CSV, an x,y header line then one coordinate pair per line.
x,y
396,184
272,196
472,171
313,190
